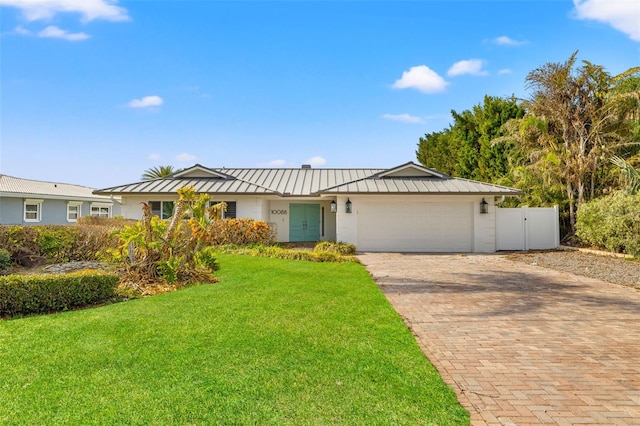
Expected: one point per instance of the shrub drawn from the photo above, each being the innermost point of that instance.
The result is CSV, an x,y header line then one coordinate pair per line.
x,y
30,294
5,259
56,243
278,252
206,258
51,242
612,223
17,240
157,252
115,222
87,240
95,242
335,247
98,236
239,232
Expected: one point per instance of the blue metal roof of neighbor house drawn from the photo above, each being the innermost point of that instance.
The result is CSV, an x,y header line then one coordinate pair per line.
x,y
408,178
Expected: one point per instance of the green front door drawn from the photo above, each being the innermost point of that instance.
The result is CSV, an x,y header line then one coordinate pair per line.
x,y
304,222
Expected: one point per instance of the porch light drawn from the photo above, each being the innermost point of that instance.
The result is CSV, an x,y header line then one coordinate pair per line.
x,y
484,207
348,205
334,207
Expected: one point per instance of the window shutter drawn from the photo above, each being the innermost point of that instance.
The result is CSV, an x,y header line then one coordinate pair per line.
x,y
231,210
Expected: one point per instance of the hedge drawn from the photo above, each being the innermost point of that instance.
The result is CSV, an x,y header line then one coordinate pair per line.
x,y
335,247
239,232
611,222
276,252
34,294
34,244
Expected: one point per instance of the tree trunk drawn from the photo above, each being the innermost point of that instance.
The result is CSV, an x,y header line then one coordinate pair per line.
x,y
580,191
572,214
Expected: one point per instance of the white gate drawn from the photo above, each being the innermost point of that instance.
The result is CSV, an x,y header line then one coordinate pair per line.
x,y
527,228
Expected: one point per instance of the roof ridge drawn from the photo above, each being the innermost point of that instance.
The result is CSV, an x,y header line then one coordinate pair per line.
x,y
347,183
484,183
46,181
298,168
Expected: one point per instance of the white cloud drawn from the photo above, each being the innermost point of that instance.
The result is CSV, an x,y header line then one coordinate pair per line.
x,y
404,118
184,157
34,10
154,157
508,41
422,78
276,163
504,71
21,30
469,66
54,32
146,102
623,15
317,161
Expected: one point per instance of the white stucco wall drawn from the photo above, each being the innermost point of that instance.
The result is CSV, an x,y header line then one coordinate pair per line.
x,y
248,207
484,226
279,218
347,223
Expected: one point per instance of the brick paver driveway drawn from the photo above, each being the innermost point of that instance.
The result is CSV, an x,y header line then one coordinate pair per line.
x,y
520,344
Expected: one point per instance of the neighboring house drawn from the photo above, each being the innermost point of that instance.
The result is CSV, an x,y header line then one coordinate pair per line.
x,y
408,208
34,202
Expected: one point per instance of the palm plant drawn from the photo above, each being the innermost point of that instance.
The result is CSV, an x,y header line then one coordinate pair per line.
x,y
576,117
632,175
158,172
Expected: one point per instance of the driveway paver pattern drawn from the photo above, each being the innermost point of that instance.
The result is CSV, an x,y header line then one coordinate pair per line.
x,y
520,344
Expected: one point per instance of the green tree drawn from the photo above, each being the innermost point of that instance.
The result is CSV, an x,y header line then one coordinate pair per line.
x,y
466,133
158,172
465,149
496,159
577,117
435,150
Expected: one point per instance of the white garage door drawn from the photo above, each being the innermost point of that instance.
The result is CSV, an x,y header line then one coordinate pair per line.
x,y
415,227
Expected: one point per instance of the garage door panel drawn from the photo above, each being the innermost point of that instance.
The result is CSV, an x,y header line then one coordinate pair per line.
x,y
417,226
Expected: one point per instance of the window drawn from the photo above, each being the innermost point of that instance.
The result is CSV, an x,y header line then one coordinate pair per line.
x,y
32,210
74,211
231,209
162,209
101,210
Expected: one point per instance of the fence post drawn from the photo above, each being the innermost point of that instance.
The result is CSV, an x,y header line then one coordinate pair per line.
x,y
556,220
525,227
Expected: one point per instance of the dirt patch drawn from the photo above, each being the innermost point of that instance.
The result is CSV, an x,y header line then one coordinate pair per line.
x,y
607,268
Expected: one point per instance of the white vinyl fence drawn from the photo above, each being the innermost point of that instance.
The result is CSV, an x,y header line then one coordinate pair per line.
x,y
527,228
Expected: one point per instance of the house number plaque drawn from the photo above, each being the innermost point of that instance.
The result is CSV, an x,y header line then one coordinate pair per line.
x,y
278,212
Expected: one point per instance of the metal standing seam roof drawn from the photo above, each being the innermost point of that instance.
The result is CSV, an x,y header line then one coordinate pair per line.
x,y
298,182
171,185
418,185
312,182
19,187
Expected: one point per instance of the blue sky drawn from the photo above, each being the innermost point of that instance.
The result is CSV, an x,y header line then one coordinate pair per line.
x,y
94,92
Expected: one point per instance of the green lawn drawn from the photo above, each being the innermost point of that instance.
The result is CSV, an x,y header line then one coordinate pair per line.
x,y
274,342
